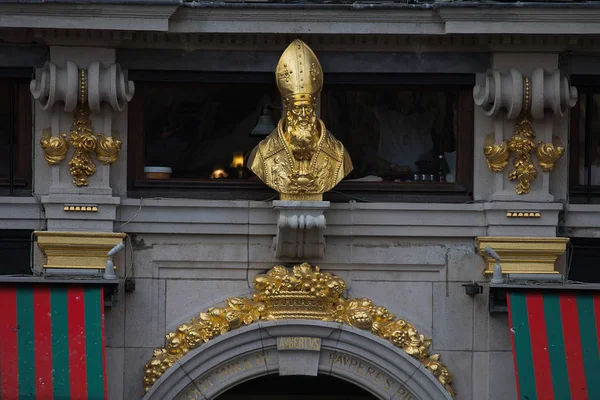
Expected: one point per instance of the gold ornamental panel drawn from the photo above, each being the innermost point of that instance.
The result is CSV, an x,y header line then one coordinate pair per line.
x,y
301,292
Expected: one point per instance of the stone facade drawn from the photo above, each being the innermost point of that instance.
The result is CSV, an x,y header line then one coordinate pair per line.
x,y
186,255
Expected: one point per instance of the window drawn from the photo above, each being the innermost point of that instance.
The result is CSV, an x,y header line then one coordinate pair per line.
x,y
410,138
584,157
15,252
584,260
15,134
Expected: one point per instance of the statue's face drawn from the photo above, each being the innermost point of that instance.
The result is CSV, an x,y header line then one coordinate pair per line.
x,y
301,128
301,113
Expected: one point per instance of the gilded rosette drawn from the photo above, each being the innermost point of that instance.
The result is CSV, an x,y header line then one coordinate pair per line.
x,y
55,148
299,71
302,292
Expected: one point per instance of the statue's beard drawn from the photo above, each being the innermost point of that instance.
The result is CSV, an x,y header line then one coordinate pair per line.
x,y
303,139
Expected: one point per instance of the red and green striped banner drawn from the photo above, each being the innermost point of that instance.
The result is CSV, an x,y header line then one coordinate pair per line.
x,y
52,342
555,344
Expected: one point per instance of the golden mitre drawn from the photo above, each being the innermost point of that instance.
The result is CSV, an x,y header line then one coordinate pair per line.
x,y
298,72
322,160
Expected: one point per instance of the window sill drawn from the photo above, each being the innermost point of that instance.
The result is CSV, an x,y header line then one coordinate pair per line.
x,y
584,195
231,189
583,220
20,213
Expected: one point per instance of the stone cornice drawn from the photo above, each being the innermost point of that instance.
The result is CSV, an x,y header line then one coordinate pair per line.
x,y
343,219
86,16
552,21
188,42
435,20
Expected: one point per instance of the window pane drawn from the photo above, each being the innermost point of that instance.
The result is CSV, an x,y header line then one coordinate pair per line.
x,y
593,151
394,134
195,129
582,176
5,130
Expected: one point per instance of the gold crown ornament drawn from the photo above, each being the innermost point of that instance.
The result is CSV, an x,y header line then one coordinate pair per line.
x,y
298,73
301,293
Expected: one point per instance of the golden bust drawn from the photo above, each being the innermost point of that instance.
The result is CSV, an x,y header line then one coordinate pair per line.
x,y
300,159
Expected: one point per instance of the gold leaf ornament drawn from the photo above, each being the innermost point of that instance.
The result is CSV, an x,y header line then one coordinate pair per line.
x,y
303,292
549,153
108,148
55,148
496,155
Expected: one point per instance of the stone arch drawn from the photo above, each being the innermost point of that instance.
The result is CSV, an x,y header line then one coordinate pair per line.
x,y
327,348
305,294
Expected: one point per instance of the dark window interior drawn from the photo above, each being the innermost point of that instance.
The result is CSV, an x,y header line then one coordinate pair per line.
x,y
584,260
15,134
409,140
15,252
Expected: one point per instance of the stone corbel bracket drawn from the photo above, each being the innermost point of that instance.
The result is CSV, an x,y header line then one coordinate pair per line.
x,y
300,228
85,92
525,98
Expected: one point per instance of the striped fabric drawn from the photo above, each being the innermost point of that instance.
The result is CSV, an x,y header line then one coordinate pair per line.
x,y
52,342
555,344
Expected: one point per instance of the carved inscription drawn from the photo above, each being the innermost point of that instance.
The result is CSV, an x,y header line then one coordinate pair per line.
x,y
299,343
223,372
370,373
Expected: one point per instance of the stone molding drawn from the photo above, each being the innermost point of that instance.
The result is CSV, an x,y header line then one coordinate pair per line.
x,y
195,374
86,16
256,218
343,219
124,39
438,20
582,220
21,213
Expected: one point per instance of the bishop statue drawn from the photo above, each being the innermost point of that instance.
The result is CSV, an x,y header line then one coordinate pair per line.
x,y
300,159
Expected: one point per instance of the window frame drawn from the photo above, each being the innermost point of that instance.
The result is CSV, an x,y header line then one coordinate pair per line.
x,y
579,193
457,192
19,181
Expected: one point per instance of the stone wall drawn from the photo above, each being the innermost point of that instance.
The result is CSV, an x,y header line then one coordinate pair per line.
x,y
419,279
188,255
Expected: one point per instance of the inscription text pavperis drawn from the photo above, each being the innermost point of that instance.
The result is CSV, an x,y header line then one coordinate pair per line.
x,y
300,159
284,293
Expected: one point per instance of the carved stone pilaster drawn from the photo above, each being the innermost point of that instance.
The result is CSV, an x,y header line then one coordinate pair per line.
x,y
300,228
524,113
81,104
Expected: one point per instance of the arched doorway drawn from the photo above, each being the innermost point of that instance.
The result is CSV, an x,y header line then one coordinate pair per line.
x,y
314,348
296,387
287,329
